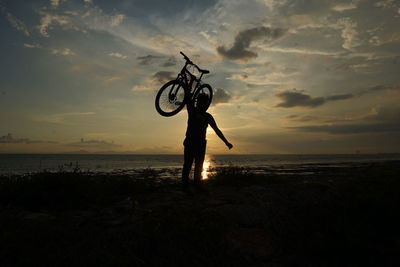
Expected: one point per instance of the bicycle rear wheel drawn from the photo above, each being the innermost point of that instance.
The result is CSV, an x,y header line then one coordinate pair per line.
x,y
171,98
204,89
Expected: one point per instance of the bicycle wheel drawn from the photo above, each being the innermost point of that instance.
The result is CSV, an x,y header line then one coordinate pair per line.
x,y
170,98
204,89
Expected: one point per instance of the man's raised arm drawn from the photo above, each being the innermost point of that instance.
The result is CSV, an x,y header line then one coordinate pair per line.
x,y
190,104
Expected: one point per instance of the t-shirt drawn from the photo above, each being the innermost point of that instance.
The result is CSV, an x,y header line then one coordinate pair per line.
x,y
198,122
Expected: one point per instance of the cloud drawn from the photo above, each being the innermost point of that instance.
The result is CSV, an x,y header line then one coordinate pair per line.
x,y
83,19
32,45
382,119
63,51
344,6
303,118
145,60
47,20
220,96
166,44
170,62
375,40
388,4
276,74
299,99
378,88
240,47
117,19
55,3
93,144
155,81
141,87
384,114
112,78
118,55
349,33
163,76
15,22
305,51
10,139
338,97
88,1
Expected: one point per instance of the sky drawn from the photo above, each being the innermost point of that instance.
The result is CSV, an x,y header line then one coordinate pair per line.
x,y
289,76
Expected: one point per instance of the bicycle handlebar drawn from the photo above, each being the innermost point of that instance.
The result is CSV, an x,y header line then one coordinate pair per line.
x,y
190,62
186,57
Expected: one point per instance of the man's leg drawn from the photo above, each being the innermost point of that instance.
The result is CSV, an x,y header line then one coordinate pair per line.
x,y
187,165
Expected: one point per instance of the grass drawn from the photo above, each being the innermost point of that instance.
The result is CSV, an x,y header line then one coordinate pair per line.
x,y
331,217
64,190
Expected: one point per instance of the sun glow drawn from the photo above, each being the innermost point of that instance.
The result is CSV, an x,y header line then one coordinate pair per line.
x,y
206,166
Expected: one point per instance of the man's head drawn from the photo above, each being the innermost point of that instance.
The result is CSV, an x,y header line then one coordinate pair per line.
x,y
202,102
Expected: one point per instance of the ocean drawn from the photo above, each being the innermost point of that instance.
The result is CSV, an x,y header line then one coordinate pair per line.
x,y
170,165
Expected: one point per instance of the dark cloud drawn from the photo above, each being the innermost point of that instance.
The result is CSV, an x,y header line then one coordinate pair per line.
x,y
384,119
163,76
338,97
379,88
145,60
220,96
351,128
299,99
10,139
250,85
170,62
240,48
93,144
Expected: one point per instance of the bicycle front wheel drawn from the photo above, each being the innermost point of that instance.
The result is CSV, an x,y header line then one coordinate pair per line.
x,y
204,89
171,98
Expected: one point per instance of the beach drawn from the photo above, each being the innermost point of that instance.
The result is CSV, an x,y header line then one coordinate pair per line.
x,y
319,215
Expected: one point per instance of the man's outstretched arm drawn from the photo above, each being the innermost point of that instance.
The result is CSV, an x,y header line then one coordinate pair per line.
x,y
213,125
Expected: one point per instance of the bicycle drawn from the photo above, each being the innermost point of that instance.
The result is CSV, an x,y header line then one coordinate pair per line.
x,y
172,96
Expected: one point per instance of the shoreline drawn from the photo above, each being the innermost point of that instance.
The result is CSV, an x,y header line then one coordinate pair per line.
x,y
213,165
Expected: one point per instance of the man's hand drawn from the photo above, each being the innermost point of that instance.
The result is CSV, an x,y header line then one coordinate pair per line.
x,y
229,145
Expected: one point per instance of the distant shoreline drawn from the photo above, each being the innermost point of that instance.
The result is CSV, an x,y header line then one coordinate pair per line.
x,y
130,163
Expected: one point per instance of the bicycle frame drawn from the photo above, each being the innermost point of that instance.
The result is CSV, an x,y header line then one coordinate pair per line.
x,y
189,83
182,76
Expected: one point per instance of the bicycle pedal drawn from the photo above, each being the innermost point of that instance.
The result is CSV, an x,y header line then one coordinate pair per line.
x,y
178,103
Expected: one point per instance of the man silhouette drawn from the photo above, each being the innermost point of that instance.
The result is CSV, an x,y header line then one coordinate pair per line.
x,y
195,141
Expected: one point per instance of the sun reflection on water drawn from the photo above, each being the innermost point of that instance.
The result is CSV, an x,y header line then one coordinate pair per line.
x,y
206,166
